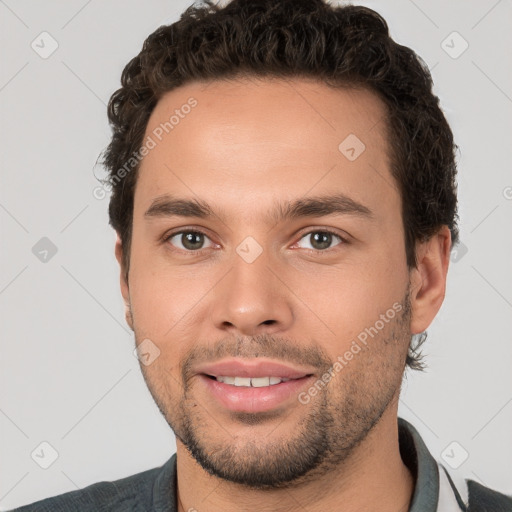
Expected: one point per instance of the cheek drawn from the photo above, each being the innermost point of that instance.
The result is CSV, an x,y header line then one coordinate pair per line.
x,y
166,299
352,297
158,304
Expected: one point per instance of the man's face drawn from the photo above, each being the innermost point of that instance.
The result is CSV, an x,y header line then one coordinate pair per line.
x,y
256,287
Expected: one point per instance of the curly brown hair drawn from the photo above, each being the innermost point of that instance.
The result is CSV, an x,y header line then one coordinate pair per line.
x,y
339,46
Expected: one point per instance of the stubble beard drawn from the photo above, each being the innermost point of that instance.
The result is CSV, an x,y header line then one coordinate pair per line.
x,y
334,423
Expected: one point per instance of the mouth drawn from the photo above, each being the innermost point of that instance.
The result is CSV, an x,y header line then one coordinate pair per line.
x,y
252,386
254,382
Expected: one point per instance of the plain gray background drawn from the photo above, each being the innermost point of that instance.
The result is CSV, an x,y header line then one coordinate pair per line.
x,y
68,374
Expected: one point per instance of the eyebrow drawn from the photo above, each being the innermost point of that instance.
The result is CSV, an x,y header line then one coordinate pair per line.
x,y
317,206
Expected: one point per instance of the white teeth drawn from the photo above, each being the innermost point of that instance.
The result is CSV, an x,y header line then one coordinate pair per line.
x,y
259,382
255,382
242,381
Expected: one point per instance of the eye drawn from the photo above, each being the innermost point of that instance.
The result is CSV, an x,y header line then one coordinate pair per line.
x,y
188,241
321,240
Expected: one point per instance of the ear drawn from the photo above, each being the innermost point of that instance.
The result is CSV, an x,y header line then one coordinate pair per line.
x,y
428,279
125,290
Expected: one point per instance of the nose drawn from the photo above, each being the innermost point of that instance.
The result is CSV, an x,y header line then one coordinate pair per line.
x,y
251,300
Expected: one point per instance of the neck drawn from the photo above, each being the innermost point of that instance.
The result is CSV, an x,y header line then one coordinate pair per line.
x,y
374,477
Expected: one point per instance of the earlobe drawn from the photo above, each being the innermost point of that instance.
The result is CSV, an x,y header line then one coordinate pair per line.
x,y
428,280
129,316
125,291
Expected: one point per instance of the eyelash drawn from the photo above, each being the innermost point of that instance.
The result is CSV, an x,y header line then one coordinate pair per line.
x,y
167,237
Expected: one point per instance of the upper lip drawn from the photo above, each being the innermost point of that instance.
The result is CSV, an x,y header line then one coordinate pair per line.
x,y
251,368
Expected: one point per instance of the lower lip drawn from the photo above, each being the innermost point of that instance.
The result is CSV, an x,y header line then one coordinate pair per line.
x,y
249,399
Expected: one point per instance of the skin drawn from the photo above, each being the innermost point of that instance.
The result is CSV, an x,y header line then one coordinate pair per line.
x,y
246,145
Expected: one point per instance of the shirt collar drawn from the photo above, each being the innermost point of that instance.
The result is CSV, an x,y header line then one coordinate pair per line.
x,y
423,467
165,488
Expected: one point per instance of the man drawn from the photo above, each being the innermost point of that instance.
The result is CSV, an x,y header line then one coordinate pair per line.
x,y
283,190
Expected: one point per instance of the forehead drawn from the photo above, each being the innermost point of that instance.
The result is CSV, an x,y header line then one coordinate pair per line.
x,y
246,143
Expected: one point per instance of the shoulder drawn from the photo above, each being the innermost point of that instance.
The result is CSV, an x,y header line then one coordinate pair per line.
x,y
474,497
484,499
434,484
134,493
